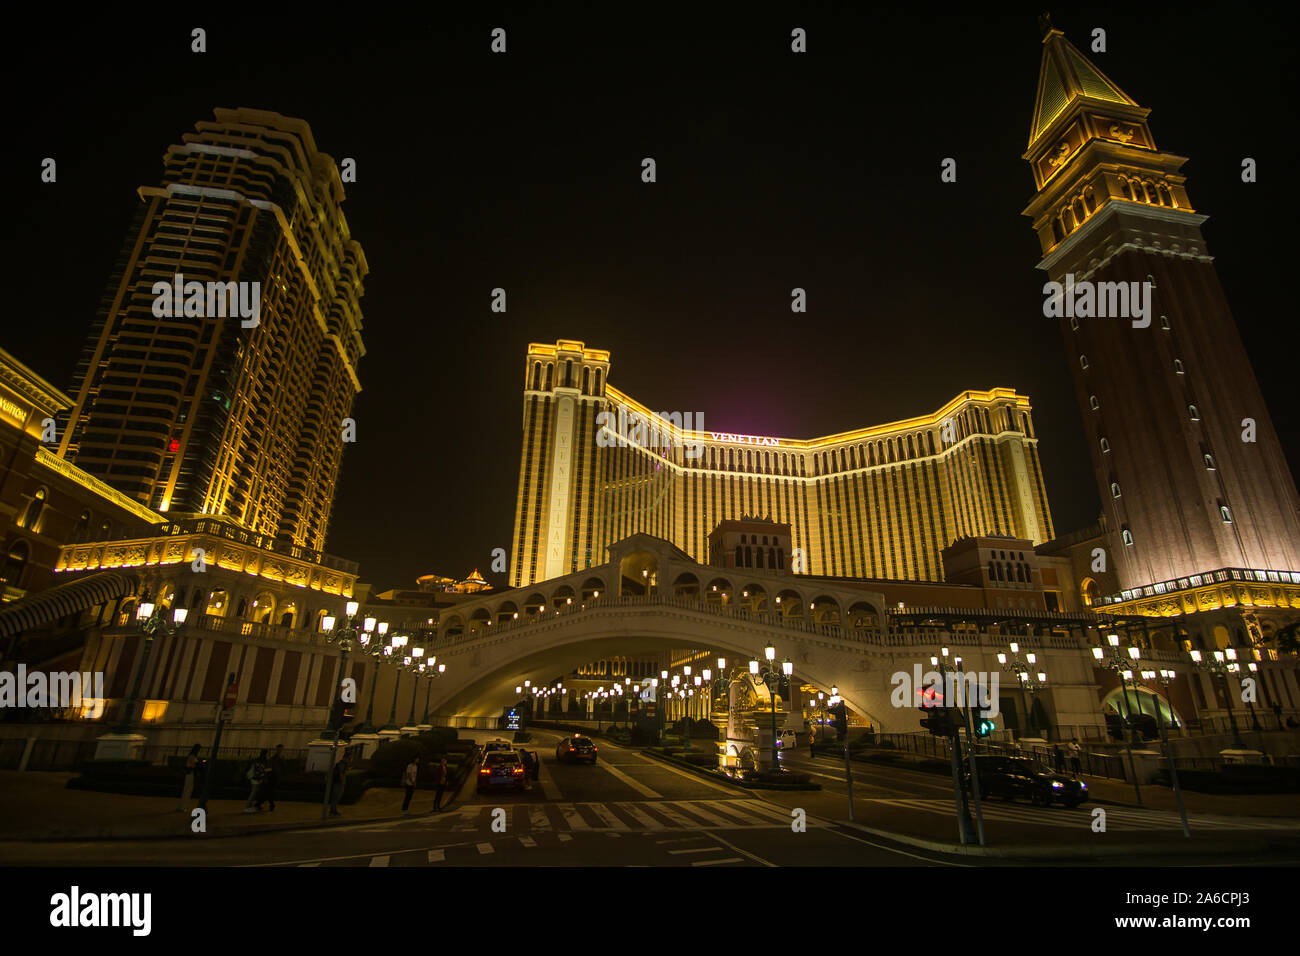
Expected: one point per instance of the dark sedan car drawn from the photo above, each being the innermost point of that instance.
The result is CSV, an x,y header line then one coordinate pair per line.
x,y
502,770
575,748
1011,777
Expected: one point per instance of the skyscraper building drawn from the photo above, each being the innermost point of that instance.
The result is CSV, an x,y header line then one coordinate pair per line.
x,y
189,403
1194,484
877,502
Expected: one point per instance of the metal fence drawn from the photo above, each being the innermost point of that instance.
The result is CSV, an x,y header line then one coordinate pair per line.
x,y
1090,764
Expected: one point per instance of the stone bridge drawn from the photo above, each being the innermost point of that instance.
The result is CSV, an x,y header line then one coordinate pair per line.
x,y
651,598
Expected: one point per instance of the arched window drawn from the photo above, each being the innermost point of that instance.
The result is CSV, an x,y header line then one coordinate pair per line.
x,y
1178,367
1074,323
1128,188
1114,489
1209,462
1194,412
15,561
1162,193
1083,362
537,376
35,508
82,531
780,558
1020,573
1224,513
1126,536
1150,193
1093,403
1105,446
1164,322
758,555
586,379
749,557
740,556
993,571
1089,200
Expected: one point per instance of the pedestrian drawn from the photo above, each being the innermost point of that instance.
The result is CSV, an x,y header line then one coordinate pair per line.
x,y
340,780
256,776
273,774
409,779
1075,757
1058,759
440,781
191,768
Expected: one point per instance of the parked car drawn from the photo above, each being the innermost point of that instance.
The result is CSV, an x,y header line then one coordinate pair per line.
x,y
1011,777
575,748
786,741
502,771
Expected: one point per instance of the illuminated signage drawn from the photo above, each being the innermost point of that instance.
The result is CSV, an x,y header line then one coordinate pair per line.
x,y
745,439
13,411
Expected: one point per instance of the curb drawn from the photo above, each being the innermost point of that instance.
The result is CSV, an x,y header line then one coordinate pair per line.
x,y
1068,851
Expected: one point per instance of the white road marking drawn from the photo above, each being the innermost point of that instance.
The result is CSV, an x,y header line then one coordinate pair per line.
x,y
607,819
309,864
527,841
756,859
485,848
679,821
537,819
437,856
644,819
572,817
703,849
632,782
730,859
379,861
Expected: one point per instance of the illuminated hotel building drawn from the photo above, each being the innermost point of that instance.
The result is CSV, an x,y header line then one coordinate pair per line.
x,y
1200,513
879,502
197,414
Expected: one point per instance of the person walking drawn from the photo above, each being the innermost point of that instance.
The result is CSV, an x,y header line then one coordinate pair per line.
x,y
256,776
191,769
1058,759
440,781
409,780
1075,757
274,772
340,780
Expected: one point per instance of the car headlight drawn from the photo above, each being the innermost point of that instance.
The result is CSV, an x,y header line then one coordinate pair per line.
x,y
1082,785
1057,785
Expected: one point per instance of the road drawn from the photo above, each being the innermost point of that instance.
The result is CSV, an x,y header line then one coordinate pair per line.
x,y
626,810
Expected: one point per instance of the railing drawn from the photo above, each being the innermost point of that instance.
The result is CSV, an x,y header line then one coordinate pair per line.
x,y
857,635
159,755
263,542
1222,575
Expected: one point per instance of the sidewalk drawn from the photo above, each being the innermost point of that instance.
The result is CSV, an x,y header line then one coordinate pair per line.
x,y
38,806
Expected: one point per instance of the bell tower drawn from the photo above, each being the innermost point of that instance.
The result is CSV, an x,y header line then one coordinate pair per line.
x,y
1190,471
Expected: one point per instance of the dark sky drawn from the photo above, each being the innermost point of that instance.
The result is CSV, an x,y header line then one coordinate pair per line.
x,y
775,170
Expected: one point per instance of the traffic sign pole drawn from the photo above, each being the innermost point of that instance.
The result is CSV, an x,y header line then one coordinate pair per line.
x,y
227,709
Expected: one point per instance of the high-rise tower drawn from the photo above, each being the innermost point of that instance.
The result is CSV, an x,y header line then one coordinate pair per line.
x,y
1169,407
204,412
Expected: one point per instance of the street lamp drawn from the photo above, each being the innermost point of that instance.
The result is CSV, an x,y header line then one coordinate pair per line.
x,y
1110,657
151,620
1223,664
1022,667
772,677
1165,677
341,634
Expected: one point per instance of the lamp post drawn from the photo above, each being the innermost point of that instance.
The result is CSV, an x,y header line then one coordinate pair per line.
x,y
1022,667
376,650
1165,677
1222,664
341,634
1111,658
417,665
770,676
434,670
151,620
1250,704
848,766
391,652
965,828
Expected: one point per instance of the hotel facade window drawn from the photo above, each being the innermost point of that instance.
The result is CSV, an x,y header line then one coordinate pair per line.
x,y
881,502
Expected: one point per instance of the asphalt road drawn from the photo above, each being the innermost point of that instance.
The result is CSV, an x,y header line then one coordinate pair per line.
x,y
625,810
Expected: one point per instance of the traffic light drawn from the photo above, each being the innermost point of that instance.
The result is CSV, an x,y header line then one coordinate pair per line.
x,y
983,726
940,722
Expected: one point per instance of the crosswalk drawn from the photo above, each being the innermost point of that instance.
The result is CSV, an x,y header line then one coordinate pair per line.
x,y
609,817
1117,818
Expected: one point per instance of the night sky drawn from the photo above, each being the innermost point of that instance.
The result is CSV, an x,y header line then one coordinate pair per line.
x,y
775,170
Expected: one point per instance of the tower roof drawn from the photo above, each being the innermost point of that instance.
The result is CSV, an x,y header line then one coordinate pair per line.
x,y
1064,76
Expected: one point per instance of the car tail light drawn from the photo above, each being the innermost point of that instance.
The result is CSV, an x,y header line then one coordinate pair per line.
x,y
485,770
519,769
570,750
